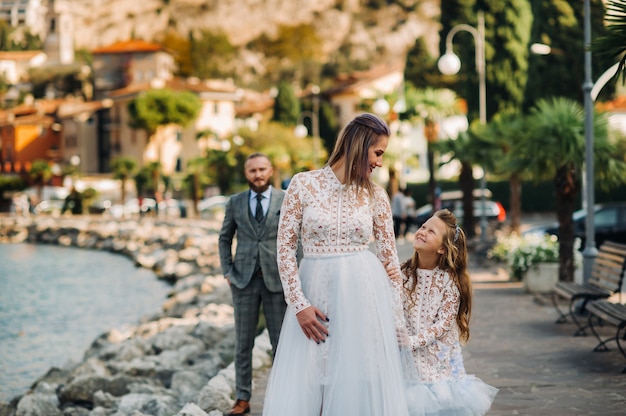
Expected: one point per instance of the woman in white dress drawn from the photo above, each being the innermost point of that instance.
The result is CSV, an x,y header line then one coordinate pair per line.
x,y
338,353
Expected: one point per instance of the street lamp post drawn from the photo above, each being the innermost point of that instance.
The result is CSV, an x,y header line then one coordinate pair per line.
x,y
590,252
302,131
450,64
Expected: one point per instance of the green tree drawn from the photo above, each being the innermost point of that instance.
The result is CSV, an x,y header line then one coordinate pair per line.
x,y
221,165
180,48
123,168
507,32
160,107
559,24
212,55
507,26
555,148
292,54
286,105
465,83
5,36
420,70
471,148
40,173
196,169
153,170
503,130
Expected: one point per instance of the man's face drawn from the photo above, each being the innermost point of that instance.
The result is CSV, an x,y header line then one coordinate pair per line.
x,y
258,173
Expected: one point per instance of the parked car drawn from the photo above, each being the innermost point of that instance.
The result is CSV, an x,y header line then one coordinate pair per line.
x,y
212,207
452,200
609,222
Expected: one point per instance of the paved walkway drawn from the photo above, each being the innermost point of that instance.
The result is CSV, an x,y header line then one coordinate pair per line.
x,y
539,367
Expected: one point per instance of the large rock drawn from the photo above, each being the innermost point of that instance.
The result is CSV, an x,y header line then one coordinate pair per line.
x,y
38,405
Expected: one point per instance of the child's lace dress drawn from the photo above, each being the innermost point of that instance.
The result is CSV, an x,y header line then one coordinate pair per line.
x,y
445,388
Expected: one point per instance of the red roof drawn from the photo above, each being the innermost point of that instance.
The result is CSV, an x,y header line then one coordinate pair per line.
x,y
126,46
18,55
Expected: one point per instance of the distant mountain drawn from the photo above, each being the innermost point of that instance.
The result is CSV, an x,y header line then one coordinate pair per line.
x,y
365,29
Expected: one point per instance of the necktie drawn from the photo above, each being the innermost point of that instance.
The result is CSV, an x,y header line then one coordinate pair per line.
x,y
259,208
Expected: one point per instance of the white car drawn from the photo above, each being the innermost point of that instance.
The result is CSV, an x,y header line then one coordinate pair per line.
x,y
212,207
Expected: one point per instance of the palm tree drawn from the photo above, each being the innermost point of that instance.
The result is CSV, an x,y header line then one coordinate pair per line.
x,y
154,170
123,168
196,167
613,43
470,148
503,131
555,148
40,173
431,106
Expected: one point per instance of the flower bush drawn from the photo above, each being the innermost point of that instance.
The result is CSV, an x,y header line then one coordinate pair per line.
x,y
521,252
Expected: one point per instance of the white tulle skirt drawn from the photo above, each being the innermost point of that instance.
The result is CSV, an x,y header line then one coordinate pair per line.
x,y
358,370
466,396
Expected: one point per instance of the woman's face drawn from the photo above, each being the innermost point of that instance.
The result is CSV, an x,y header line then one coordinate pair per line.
x,y
375,154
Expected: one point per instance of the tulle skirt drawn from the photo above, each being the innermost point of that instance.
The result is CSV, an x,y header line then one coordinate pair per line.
x,y
466,396
358,370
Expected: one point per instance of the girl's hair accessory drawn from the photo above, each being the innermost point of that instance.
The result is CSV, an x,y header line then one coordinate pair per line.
x,y
457,231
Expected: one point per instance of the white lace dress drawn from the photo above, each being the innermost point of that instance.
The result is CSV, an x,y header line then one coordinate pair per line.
x,y
358,370
445,388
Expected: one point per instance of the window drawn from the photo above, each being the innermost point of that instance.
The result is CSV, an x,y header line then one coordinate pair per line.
x,y
606,218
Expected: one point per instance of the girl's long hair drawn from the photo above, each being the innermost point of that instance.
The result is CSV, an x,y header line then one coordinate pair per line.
x,y
353,144
454,261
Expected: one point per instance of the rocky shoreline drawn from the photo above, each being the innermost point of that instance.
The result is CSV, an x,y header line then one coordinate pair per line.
x,y
178,362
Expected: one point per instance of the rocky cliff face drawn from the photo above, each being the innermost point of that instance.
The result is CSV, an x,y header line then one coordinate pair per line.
x,y
369,28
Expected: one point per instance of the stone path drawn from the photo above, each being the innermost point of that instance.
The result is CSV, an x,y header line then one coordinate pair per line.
x,y
539,367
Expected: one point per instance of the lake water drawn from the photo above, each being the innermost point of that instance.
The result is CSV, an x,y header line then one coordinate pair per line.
x,y
54,301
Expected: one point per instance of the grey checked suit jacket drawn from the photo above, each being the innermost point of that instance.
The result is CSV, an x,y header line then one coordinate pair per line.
x,y
250,243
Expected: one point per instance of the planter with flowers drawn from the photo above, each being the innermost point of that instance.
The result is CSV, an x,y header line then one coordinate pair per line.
x,y
533,258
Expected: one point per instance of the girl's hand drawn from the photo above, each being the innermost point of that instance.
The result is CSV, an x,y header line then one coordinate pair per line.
x,y
310,320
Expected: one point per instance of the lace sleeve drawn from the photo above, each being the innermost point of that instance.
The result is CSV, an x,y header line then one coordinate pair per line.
x,y
445,318
287,245
386,251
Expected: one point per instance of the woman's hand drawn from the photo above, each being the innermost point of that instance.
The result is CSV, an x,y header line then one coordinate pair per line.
x,y
310,320
393,272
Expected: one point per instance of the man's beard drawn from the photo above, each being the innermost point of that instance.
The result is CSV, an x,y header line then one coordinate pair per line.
x,y
259,189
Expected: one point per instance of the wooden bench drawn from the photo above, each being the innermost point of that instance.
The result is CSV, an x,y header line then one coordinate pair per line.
x,y
606,278
603,311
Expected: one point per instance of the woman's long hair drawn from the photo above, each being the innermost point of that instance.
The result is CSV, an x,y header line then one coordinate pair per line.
x,y
454,261
353,144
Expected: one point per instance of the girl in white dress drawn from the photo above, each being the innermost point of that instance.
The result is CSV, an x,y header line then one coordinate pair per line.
x,y
338,353
437,301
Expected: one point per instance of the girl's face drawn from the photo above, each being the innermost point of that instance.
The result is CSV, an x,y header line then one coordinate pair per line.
x,y
375,154
429,237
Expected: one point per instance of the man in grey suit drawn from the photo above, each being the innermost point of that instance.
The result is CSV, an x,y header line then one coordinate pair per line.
x,y
253,272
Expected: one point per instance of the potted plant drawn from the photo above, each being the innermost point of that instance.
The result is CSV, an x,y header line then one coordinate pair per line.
x,y
532,258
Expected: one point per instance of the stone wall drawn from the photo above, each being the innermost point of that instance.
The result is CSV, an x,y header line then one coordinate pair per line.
x,y
176,363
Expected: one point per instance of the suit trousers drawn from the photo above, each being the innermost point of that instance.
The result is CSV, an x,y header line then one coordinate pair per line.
x,y
247,304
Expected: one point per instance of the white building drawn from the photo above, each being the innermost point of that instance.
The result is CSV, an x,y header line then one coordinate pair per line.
x,y
14,65
29,13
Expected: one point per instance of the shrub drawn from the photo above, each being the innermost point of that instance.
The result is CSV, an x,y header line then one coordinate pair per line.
x,y
521,252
